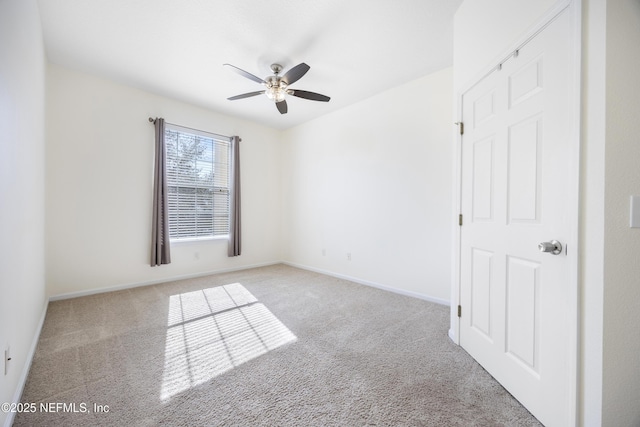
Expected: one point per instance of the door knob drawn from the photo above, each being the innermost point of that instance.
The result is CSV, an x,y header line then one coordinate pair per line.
x,y
553,247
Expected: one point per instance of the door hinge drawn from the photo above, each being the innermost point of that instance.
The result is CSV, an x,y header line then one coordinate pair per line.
x,y
460,220
459,311
460,127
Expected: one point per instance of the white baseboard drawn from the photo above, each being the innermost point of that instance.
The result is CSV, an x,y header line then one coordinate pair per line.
x,y
27,366
154,282
247,267
372,284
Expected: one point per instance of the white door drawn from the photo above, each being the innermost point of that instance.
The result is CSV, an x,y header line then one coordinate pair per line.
x,y
516,185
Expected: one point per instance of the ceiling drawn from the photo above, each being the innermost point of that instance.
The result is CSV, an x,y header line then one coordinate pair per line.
x,y
176,48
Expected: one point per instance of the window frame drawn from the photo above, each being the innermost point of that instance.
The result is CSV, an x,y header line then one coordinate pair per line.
x,y
217,143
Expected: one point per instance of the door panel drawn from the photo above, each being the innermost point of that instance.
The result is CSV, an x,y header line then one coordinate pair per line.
x,y
483,180
481,291
524,162
522,311
526,82
515,182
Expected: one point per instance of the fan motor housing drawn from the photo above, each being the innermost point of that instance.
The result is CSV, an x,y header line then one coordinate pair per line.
x,y
276,68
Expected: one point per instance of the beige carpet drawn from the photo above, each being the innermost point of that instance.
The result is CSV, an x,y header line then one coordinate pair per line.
x,y
272,346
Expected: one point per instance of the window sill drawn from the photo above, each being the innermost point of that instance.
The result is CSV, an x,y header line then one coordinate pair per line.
x,y
197,240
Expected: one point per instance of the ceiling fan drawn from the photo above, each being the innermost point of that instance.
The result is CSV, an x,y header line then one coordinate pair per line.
x,y
278,86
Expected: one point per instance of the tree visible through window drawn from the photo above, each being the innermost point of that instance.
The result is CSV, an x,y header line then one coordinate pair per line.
x,y
198,183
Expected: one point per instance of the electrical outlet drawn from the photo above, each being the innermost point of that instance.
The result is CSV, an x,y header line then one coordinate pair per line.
x,y
6,359
324,252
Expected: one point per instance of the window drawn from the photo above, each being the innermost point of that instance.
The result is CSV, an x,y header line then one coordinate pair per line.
x,y
197,183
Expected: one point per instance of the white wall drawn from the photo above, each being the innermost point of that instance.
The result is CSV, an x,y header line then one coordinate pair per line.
x,y
374,180
100,151
621,379
22,135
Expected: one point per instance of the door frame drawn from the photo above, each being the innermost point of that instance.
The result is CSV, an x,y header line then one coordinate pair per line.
x,y
574,8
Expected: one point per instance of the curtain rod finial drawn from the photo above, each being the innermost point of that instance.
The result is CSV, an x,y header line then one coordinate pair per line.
x,y
152,120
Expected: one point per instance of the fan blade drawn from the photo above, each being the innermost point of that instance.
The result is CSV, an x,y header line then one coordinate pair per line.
x,y
282,107
246,95
294,74
246,74
308,95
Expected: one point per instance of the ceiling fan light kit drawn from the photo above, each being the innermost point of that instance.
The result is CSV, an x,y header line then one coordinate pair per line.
x,y
277,86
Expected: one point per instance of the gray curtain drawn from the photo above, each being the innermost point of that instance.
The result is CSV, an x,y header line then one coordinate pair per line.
x,y
160,252
234,225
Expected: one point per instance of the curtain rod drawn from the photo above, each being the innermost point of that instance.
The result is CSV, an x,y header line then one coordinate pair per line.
x,y
217,135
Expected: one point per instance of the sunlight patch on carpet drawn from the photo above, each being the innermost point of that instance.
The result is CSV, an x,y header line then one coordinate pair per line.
x,y
212,331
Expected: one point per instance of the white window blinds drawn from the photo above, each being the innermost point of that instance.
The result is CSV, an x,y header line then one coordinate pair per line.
x,y
197,183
